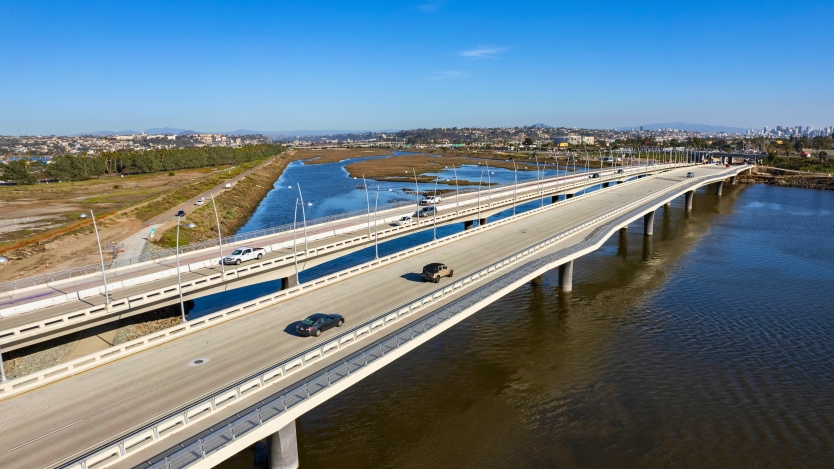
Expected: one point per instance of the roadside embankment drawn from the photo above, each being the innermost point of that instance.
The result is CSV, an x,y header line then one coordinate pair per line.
x,y
234,207
824,182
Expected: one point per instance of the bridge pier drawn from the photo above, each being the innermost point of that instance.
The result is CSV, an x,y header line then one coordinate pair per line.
x,y
538,281
289,282
283,448
667,205
688,200
648,224
566,276
468,225
719,187
733,180
482,222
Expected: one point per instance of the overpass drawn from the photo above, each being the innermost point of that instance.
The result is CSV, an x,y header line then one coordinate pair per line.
x,y
30,315
197,397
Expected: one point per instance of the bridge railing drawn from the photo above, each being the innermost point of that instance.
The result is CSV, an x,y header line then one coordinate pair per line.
x,y
47,278
257,416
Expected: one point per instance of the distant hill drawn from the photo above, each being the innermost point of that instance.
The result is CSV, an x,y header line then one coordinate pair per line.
x,y
690,127
169,131
542,126
107,133
293,133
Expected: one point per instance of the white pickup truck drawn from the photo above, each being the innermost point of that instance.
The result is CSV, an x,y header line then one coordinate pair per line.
x,y
244,254
431,200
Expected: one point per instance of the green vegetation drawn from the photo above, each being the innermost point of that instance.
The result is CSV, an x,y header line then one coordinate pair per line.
x,y
79,168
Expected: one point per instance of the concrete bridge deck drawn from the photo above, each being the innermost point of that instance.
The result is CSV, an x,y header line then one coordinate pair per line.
x,y
81,414
41,313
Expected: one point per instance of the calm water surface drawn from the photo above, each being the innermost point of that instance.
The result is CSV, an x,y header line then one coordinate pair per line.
x,y
707,345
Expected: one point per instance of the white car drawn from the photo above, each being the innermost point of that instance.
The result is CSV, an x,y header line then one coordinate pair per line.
x,y
200,201
433,200
404,221
244,254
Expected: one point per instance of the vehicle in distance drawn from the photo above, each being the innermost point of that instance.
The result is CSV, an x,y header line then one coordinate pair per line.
x,y
435,271
228,185
620,171
404,221
200,201
315,324
426,211
595,175
690,174
244,254
431,200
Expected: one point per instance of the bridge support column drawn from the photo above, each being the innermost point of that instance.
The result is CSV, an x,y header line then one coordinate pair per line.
x,y
538,281
688,200
667,205
283,448
733,180
289,282
468,225
482,222
566,276
648,224
719,187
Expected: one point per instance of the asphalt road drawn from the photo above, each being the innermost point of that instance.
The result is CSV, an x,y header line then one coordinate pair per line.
x,y
65,418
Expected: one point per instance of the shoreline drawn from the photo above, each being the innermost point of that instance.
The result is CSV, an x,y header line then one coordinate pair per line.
x,y
817,182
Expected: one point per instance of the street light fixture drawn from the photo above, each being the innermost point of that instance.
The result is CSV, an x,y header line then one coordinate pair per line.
x,y
179,274
304,218
219,237
101,256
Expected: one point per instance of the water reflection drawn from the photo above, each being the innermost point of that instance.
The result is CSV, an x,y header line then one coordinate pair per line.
x,y
712,348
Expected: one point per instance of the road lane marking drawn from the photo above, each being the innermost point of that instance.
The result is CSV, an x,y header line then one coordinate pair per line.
x,y
24,416
213,343
44,436
247,350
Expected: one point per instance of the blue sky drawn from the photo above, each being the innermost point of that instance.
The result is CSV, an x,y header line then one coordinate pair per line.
x,y
72,67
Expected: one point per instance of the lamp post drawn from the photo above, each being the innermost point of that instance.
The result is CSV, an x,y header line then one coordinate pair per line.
x,y
434,219
368,202
489,187
480,179
457,206
101,256
179,276
219,238
376,222
540,178
3,261
416,196
515,183
303,217
294,248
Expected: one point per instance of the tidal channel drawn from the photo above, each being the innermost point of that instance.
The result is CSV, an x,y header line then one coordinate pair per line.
x,y
710,344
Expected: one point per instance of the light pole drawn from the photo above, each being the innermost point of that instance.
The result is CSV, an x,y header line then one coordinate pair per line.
x,y
303,217
515,183
540,177
179,276
480,179
376,222
368,202
294,244
3,261
489,186
101,256
219,237
434,219
457,206
417,197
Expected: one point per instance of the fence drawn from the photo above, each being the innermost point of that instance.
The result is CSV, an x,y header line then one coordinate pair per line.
x,y
165,253
311,386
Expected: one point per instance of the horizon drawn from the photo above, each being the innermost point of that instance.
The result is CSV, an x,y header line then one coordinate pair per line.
x,y
376,65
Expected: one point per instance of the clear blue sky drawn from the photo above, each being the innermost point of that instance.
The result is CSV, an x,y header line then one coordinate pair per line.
x,y
70,67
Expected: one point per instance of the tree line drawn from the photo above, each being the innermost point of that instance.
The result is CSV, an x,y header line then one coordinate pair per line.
x,y
81,167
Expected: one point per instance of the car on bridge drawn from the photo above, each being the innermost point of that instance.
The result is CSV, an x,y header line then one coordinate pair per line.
x,y
404,221
620,171
690,174
436,199
315,324
594,176
435,271
244,254
426,212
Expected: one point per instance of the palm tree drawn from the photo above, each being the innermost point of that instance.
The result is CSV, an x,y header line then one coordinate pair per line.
x,y
822,155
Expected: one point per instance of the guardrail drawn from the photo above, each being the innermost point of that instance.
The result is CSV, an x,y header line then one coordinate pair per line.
x,y
252,384
87,309
47,278
28,382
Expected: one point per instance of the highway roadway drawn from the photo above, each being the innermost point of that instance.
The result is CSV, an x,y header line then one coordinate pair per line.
x,y
23,329
43,427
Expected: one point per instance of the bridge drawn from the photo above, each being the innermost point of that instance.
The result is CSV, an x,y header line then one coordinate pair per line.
x,y
196,394
34,312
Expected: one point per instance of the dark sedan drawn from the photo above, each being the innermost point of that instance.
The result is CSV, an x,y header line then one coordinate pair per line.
x,y
317,323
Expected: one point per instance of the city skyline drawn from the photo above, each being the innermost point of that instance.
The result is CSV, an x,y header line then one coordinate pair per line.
x,y
213,66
